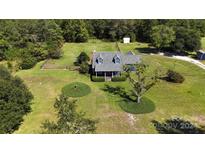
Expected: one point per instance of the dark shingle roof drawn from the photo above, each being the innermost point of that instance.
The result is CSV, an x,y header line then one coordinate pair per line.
x,y
108,62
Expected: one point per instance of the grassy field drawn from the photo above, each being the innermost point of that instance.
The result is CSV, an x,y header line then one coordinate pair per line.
x,y
72,50
203,47
203,43
185,100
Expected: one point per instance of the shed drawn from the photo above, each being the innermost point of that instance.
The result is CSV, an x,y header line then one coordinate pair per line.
x,y
201,55
126,39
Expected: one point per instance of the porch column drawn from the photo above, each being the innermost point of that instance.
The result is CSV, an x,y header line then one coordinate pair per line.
x,y
112,74
105,75
96,74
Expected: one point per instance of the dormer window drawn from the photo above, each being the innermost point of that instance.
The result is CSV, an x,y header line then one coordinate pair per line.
x,y
99,60
116,59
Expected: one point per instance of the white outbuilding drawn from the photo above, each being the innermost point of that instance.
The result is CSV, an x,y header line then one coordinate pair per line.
x,y
126,39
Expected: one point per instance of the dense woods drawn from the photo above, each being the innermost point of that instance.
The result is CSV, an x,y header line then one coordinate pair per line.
x,y
30,41
14,101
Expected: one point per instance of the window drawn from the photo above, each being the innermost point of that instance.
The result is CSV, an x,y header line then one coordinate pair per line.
x,y
99,60
116,59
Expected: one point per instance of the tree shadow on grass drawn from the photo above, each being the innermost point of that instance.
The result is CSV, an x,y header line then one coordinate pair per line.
x,y
147,50
177,126
120,91
128,101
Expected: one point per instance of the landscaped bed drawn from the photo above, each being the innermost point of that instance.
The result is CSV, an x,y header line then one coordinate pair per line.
x,y
76,89
146,106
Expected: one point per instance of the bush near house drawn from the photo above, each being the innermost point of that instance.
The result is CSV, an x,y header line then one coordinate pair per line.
x,y
175,77
97,79
123,77
84,68
82,58
119,78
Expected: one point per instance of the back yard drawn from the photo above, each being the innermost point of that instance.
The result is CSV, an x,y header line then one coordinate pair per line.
x,y
185,100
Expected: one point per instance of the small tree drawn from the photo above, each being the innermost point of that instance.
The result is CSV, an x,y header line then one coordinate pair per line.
x,y
84,68
143,83
69,120
162,36
83,57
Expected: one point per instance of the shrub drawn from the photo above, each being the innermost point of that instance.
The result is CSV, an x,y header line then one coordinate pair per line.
x,y
82,58
98,79
84,68
175,77
28,62
4,73
119,78
54,54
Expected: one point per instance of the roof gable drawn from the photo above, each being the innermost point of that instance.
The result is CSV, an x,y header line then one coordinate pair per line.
x,y
112,61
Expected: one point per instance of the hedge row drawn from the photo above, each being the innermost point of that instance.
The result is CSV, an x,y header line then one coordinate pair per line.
x,y
98,79
123,77
119,78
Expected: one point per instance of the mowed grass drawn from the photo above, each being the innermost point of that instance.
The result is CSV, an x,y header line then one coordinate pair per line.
x,y
186,100
72,50
76,89
203,43
203,47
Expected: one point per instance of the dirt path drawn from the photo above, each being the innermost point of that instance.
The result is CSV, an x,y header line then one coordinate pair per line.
x,y
131,119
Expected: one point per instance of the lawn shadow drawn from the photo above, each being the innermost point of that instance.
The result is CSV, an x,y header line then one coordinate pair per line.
x,y
177,126
166,52
120,91
147,50
128,101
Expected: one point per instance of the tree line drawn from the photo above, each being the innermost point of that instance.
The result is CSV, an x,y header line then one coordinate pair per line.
x,y
30,41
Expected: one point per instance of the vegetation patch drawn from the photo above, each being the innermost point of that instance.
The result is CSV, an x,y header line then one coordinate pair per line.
x,y
98,79
123,77
76,89
175,77
146,106
15,101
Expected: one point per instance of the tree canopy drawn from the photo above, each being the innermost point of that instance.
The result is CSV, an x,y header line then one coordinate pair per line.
x,y
41,39
162,36
74,30
186,40
69,120
36,39
15,101
141,83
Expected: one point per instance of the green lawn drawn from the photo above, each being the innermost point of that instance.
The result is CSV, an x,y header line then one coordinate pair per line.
x,y
186,100
203,43
76,89
72,50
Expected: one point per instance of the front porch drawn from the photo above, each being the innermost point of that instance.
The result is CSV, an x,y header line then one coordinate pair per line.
x,y
107,75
